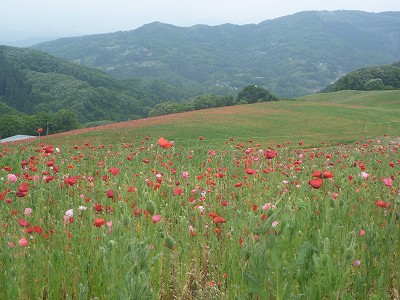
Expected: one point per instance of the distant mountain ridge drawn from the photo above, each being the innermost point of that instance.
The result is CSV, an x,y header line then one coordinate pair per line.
x,y
291,56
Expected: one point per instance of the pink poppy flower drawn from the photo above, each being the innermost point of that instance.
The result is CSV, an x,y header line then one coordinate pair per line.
x,y
23,242
387,181
28,211
12,178
155,218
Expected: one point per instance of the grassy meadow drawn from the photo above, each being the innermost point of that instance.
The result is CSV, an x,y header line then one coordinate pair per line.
x,y
295,199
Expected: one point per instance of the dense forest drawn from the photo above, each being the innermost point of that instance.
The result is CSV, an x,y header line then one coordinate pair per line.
x,y
386,77
291,56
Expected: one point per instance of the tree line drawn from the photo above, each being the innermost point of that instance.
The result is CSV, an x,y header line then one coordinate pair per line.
x,y
13,124
249,94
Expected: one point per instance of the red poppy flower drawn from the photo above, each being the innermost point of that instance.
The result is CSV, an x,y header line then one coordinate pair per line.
x,y
22,190
37,229
99,222
23,223
164,143
315,183
114,171
178,191
219,220
270,154
70,181
317,174
250,171
382,204
40,130
98,207
110,194
327,174
48,149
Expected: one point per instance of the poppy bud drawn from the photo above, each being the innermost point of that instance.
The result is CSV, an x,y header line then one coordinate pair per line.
x,y
349,253
150,207
126,220
169,242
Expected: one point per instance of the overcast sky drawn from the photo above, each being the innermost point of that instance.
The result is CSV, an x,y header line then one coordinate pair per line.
x,y
21,19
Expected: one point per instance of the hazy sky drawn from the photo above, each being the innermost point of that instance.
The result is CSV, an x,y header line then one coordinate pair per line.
x,y
37,18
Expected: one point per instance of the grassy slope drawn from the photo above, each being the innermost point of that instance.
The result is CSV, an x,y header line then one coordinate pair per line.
x,y
338,117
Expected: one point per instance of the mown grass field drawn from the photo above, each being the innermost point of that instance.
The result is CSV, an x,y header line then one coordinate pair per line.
x,y
296,199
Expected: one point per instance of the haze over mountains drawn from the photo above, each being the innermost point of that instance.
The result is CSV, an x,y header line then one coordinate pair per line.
x,y
291,56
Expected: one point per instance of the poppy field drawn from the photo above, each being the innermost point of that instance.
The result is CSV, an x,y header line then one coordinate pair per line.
x,y
168,209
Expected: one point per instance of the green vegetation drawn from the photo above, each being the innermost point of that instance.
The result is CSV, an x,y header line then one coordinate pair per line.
x,y
32,82
249,94
290,56
261,201
368,79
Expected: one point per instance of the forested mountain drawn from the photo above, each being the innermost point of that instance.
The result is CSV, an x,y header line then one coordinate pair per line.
x,y
32,81
386,77
290,56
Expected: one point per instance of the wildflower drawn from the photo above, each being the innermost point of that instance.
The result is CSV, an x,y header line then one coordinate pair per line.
x,y
250,171
356,263
364,175
387,181
12,178
317,174
23,242
178,191
28,211
361,233
69,213
99,222
81,208
23,223
382,204
275,223
110,194
327,174
315,183
109,225
219,220
185,174
270,154
71,181
267,206
155,219
113,171
164,143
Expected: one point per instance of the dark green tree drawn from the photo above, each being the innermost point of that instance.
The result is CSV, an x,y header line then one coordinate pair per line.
x,y
63,120
255,93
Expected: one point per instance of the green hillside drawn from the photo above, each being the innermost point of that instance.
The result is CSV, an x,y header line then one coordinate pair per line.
x,y
385,77
291,56
339,117
32,81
